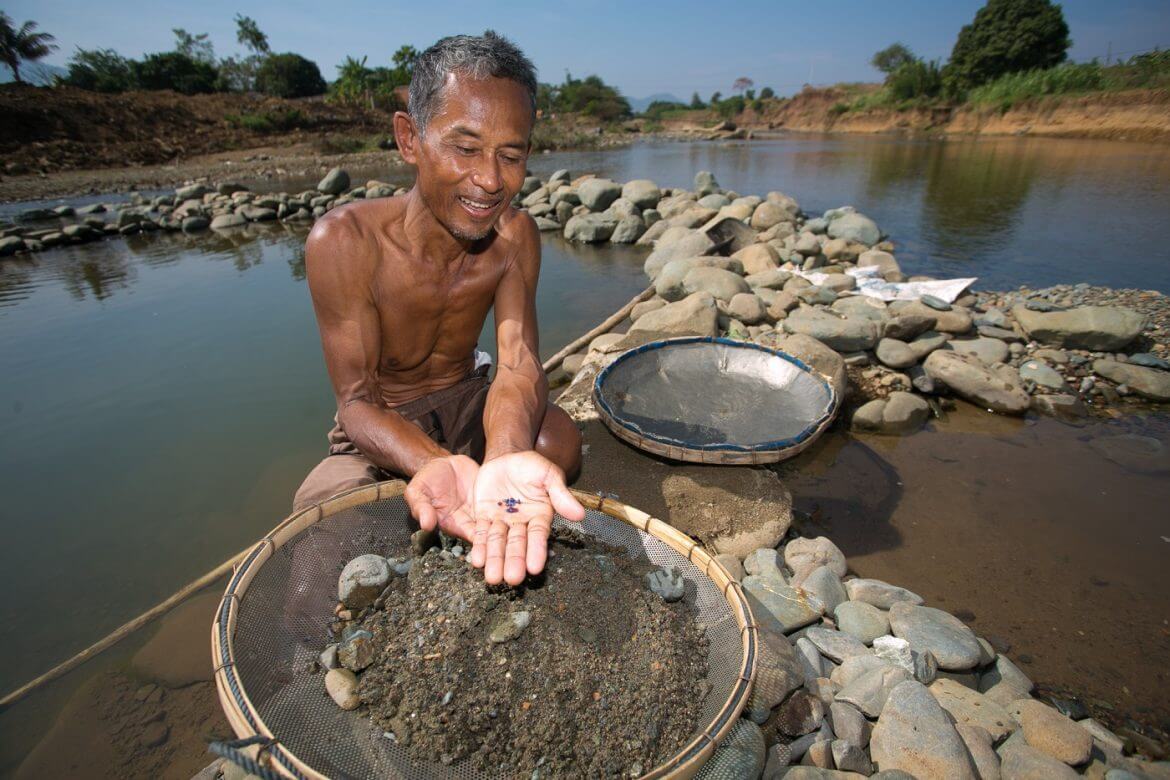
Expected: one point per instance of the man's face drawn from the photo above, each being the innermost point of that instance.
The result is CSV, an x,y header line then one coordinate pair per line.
x,y
472,159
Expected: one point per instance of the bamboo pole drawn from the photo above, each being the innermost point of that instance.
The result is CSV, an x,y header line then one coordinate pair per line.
x,y
604,327
125,630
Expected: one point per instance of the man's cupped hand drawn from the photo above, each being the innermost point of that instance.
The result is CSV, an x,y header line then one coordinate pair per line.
x,y
504,508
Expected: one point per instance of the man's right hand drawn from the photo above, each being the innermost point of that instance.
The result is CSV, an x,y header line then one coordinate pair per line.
x,y
440,495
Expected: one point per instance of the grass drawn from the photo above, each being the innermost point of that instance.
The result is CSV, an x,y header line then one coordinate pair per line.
x,y
270,121
1145,71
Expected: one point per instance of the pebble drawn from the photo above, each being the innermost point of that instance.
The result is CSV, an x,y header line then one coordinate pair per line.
x,y
509,625
328,657
667,582
925,667
357,651
362,580
936,303
1053,734
915,735
944,635
342,685
862,621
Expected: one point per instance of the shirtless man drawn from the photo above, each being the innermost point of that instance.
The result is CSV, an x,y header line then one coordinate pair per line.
x,y
401,288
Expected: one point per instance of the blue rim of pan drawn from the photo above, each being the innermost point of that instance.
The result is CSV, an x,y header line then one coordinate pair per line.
x,y
778,444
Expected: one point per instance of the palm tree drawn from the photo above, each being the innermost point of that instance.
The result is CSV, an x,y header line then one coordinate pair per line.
x,y
22,44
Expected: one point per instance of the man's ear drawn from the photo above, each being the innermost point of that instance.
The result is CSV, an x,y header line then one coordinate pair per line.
x,y
406,135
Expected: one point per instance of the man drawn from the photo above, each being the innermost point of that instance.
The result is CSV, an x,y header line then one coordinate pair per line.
x,y
401,288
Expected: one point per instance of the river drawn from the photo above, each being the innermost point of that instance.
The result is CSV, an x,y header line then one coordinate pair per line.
x,y
164,395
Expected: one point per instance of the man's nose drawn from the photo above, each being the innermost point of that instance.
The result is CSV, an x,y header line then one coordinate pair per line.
x,y
487,174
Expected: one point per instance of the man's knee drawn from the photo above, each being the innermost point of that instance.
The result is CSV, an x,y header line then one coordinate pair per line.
x,y
559,440
333,475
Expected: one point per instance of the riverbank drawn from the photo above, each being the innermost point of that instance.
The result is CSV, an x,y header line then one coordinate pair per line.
x,y
1133,115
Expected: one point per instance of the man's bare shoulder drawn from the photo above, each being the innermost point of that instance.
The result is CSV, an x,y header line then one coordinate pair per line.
x,y
349,235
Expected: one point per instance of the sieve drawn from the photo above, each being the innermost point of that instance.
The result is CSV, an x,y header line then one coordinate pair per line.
x,y
271,625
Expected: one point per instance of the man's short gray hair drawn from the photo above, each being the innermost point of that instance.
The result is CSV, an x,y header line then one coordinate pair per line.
x,y
477,56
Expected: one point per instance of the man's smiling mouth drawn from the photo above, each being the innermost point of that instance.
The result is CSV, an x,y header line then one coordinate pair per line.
x,y
478,207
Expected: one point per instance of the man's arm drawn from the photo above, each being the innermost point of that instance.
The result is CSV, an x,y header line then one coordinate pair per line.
x,y
517,397
340,264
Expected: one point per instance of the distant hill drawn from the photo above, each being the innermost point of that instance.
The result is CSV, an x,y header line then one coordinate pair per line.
x,y
641,104
36,73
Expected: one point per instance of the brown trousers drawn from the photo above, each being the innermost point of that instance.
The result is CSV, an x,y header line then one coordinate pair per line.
x,y
452,417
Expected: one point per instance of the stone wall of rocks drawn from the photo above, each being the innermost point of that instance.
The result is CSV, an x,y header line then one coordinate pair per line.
x,y
1062,351
191,209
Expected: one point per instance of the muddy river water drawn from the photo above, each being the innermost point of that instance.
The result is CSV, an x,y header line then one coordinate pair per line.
x,y
164,395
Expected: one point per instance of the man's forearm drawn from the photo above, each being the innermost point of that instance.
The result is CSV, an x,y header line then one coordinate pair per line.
x,y
514,409
390,441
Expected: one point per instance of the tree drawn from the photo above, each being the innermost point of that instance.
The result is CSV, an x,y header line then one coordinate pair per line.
x,y
915,79
742,83
289,75
174,70
715,97
403,69
100,70
892,57
766,93
195,47
749,95
248,33
696,101
23,44
1006,36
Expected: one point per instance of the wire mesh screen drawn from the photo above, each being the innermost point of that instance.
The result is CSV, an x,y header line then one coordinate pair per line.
x,y
282,627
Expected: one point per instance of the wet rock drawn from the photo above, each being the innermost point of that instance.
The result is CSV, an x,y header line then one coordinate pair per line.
x,y
357,651
667,582
835,645
362,580
868,416
826,586
968,706
154,734
1019,761
741,754
509,626
944,635
999,391
1053,734
1060,405
880,594
1150,383
342,686
802,555
1101,328
914,735
870,691
862,621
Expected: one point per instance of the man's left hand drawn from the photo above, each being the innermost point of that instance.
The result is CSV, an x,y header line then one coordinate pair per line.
x,y
515,496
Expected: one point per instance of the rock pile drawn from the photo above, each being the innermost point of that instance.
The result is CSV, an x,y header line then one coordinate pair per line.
x,y
1061,351
193,208
858,677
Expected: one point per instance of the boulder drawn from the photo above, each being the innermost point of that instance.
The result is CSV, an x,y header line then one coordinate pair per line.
x,y
643,193
803,555
758,259
904,413
746,307
1150,383
951,642
1099,328
629,229
334,183
884,261
972,380
705,183
862,621
989,351
227,221
855,227
769,214
907,326
895,354
870,690
668,285
694,244
694,315
973,708
598,194
1020,761
844,334
590,228
1054,734
723,285
880,594
913,734
956,320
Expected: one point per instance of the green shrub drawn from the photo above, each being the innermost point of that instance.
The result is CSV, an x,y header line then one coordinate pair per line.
x,y
914,79
100,70
838,108
173,70
269,122
289,75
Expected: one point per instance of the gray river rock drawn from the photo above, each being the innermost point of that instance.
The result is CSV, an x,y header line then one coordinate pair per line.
x,y
880,594
835,645
914,735
943,634
968,377
1150,383
1103,328
862,621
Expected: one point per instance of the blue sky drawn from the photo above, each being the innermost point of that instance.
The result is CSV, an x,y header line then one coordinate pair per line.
x,y
642,47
